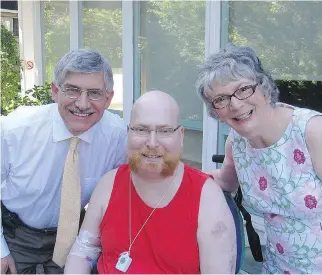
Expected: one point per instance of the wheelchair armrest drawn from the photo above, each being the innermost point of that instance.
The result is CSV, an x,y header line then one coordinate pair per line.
x,y
218,158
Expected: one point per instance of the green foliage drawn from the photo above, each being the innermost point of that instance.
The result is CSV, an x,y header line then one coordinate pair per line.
x,y
184,21
102,31
10,69
287,35
38,95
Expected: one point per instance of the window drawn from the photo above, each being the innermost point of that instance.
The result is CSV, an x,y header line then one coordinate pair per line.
x,y
169,45
102,31
56,33
15,27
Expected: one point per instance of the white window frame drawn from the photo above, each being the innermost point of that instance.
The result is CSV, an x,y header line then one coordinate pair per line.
x,y
31,43
212,44
76,24
128,59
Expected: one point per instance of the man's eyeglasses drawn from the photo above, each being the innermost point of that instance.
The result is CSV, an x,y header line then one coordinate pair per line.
x,y
160,132
74,93
241,94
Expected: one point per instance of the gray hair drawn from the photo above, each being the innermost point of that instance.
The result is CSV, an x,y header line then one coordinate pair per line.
x,y
233,64
83,61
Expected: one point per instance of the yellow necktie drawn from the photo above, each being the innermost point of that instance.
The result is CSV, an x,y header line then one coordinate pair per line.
x,y
70,206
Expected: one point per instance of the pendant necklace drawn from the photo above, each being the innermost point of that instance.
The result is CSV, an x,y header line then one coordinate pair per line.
x,y
124,261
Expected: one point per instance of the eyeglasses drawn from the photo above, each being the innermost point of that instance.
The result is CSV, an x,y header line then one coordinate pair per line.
x,y
241,94
74,93
160,132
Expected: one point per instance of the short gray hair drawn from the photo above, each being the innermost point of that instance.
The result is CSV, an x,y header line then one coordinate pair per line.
x,y
233,64
83,61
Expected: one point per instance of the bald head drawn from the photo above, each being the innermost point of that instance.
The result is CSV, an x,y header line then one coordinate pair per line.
x,y
155,140
156,106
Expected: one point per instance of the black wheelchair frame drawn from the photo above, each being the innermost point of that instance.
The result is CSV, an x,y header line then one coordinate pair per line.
x,y
253,238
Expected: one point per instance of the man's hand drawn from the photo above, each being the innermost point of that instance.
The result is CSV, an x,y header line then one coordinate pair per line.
x,y
8,263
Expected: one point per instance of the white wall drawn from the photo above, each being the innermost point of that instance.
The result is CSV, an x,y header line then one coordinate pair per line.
x,y
30,43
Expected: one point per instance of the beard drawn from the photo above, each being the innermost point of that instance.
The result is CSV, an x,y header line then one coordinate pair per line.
x,y
169,165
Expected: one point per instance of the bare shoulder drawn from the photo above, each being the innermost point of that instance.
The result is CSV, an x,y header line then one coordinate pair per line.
x,y
213,203
313,132
313,136
216,232
211,190
103,190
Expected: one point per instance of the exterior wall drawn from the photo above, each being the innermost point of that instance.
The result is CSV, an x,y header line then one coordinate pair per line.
x,y
7,17
30,42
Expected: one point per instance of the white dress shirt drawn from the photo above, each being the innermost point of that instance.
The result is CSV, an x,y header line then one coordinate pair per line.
x,y
34,146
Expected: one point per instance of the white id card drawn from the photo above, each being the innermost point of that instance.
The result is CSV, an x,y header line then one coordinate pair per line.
x,y
123,262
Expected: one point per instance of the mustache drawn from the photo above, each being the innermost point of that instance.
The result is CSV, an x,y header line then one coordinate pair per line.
x,y
151,152
85,112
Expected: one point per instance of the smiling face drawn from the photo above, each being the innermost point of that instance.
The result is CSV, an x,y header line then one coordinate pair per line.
x,y
155,154
244,116
81,114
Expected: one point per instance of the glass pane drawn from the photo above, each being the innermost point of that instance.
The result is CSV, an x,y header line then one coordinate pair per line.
x,y
170,44
56,29
102,31
287,35
15,26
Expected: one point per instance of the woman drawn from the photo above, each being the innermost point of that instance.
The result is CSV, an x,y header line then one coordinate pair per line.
x,y
274,151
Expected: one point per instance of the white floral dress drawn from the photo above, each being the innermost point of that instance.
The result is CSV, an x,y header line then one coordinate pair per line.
x,y
280,182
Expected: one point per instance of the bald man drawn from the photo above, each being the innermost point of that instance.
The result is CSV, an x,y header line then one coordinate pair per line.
x,y
156,215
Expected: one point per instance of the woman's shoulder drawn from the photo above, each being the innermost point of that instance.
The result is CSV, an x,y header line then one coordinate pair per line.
x,y
302,116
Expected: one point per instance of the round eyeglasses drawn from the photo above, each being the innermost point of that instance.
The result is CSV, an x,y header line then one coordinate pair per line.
x,y
241,94
160,132
75,93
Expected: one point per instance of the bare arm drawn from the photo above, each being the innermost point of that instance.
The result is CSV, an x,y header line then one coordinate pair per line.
x,y
216,232
313,136
226,177
88,240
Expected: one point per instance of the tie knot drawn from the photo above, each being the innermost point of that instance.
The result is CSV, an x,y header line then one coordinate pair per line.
x,y
73,143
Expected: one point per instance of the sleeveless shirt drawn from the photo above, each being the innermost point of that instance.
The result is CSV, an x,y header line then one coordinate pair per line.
x,y
280,182
168,241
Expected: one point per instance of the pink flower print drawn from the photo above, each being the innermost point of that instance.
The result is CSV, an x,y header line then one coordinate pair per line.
x,y
310,201
262,187
262,183
299,156
316,230
280,248
308,198
273,219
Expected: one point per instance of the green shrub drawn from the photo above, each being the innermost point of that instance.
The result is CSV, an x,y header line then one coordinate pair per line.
x,y
38,95
10,69
11,96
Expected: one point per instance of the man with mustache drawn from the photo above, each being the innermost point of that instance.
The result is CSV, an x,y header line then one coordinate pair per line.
x,y
52,158
155,215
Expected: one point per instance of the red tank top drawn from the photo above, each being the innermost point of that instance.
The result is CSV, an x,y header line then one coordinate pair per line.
x,y
167,243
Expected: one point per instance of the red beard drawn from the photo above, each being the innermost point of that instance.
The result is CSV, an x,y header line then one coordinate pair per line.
x,y
169,165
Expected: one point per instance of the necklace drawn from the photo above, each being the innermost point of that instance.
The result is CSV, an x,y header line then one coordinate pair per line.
x,y
124,260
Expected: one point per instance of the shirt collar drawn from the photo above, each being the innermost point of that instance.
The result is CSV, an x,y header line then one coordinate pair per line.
x,y
60,131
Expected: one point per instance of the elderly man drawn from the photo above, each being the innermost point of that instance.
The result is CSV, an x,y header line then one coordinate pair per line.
x,y
52,158
156,214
